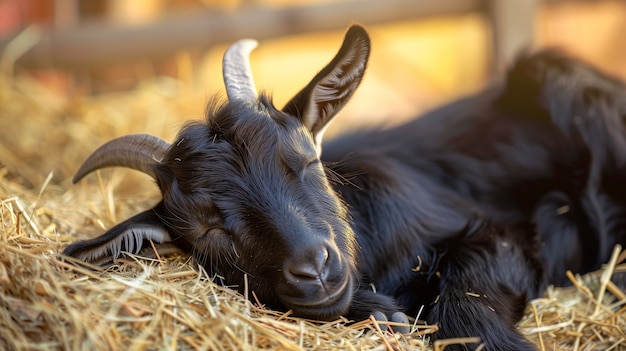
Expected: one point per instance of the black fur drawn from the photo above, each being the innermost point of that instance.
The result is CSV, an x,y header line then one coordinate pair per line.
x,y
469,211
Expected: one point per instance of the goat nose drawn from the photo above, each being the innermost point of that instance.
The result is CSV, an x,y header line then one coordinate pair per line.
x,y
310,265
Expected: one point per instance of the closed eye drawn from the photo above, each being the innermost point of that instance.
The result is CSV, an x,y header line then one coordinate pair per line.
x,y
303,166
313,162
312,166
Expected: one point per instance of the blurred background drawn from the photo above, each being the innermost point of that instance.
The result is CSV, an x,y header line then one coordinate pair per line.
x,y
75,73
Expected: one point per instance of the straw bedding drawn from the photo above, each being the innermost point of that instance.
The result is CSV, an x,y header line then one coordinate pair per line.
x,y
163,303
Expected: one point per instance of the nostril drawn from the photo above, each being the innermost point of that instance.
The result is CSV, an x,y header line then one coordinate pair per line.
x,y
310,265
314,277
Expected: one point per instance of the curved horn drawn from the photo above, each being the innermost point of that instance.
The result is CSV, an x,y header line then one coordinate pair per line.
x,y
137,151
237,73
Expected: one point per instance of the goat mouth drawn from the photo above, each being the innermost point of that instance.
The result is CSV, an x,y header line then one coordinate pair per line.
x,y
327,307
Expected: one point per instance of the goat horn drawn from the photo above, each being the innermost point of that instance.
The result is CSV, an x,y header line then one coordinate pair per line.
x,y
137,151
237,73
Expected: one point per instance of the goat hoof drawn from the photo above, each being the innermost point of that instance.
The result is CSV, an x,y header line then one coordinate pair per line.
x,y
379,316
400,317
396,317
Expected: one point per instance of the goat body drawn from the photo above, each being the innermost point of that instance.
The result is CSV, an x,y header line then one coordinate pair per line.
x,y
468,211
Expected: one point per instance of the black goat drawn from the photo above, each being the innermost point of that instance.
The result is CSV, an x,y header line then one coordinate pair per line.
x,y
468,211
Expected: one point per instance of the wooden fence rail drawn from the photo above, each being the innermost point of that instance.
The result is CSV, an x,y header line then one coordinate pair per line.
x,y
96,45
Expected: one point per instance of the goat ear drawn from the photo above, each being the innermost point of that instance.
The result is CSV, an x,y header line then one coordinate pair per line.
x,y
331,88
128,236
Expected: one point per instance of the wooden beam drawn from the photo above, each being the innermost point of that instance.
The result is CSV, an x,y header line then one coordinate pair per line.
x,y
89,46
513,27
